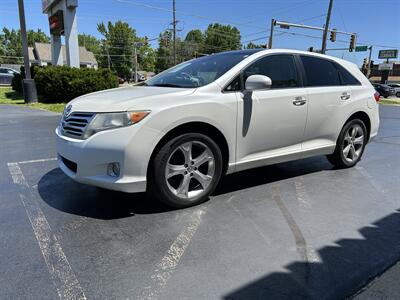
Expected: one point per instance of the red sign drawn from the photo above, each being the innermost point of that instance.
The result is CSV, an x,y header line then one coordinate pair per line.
x,y
56,23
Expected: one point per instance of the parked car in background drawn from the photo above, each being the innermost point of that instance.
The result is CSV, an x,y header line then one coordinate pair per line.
x,y
6,75
396,87
383,89
176,134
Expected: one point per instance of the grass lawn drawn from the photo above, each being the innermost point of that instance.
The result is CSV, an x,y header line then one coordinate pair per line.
x,y
390,101
8,96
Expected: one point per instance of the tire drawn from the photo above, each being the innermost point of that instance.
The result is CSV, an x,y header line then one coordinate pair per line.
x,y
355,142
193,176
398,94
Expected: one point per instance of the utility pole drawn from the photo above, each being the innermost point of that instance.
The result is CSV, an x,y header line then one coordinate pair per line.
x,y
136,60
369,62
108,53
174,30
29,86
271,34
326,29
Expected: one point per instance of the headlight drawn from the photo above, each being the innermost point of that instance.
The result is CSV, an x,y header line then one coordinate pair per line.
x,y
105,121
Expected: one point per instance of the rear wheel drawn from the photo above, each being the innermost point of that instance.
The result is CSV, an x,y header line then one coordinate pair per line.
x,y
350,145
186,170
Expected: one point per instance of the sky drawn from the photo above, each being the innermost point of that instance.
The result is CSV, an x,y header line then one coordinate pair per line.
x,y
376,22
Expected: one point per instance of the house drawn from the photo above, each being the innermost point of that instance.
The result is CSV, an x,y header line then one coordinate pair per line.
x,y
393,76
40,55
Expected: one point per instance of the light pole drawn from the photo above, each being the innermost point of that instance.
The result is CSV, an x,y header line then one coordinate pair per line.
x,y
29,86
326,29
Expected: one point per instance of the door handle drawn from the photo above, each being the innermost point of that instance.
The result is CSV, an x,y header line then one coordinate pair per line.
x,y
345,96
298,101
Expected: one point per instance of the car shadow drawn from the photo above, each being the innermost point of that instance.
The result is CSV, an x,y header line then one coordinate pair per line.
x,y
343,269
64,194
268,174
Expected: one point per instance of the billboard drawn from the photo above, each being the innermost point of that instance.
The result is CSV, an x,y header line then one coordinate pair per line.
x,y
388,53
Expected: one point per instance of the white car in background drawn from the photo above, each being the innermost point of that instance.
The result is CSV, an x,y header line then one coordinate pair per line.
x,y
175,135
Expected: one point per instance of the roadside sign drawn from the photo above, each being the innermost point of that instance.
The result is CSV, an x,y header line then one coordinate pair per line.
x,y
361,48
46,4
385,67
388,53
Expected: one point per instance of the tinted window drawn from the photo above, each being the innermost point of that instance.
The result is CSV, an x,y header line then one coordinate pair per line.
x,y
347,78
234,85
280,68
320,72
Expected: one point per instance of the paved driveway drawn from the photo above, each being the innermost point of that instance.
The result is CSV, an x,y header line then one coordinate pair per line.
x,y
293,230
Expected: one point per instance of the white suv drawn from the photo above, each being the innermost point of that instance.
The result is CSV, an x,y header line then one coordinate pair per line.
x,y
177,133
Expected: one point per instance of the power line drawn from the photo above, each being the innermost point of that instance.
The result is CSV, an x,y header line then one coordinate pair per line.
x,y
184,13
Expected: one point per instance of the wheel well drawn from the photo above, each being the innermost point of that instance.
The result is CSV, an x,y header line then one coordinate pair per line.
x,y
363,117
196,127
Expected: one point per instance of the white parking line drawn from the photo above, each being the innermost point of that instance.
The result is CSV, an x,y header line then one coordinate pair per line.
x,y
301,193
37,160
60,270
168,263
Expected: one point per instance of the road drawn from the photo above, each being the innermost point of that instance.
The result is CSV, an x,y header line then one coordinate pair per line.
x,y
298,230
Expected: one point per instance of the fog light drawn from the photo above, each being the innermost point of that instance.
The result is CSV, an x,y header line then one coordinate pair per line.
x,y
113,169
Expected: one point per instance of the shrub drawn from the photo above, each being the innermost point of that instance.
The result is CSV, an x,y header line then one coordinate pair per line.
x,y
61,83
16,82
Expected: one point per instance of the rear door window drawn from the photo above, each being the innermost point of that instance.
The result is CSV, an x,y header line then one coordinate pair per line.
x,y
346,77
320,72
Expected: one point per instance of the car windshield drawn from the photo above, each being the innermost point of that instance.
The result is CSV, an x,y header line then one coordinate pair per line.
x,y
199,72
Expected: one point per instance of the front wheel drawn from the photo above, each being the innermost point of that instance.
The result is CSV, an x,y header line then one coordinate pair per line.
x,y
186,170
350,145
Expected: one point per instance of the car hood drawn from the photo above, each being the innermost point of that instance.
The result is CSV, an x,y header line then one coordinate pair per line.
x,y
126,98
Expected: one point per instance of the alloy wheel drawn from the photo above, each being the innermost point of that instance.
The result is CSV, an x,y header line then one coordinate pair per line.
x,y
353,143
190,170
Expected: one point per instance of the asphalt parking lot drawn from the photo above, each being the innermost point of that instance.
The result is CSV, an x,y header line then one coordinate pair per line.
x,y
298,230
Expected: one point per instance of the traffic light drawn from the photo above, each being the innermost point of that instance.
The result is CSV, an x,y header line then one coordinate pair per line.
x,y
365,62
333,35
311,49
146,40
352,46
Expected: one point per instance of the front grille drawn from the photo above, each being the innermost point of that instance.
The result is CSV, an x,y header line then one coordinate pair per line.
x,y
76,124
69,164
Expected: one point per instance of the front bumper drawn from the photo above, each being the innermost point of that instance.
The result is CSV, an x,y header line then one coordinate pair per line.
x,y
86,161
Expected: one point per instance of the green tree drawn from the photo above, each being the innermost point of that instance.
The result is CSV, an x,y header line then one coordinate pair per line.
x,y
194,42
90,42
164,52
218,37
117,49
251,45
11,44
36,37
146,56
118,43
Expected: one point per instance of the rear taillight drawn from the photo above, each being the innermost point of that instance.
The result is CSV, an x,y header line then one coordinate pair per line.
x,y
377,96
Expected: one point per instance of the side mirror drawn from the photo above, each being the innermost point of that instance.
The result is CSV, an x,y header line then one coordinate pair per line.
x,y
258,82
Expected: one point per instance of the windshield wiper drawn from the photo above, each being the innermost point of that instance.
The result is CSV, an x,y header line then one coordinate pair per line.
x,y
167,85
